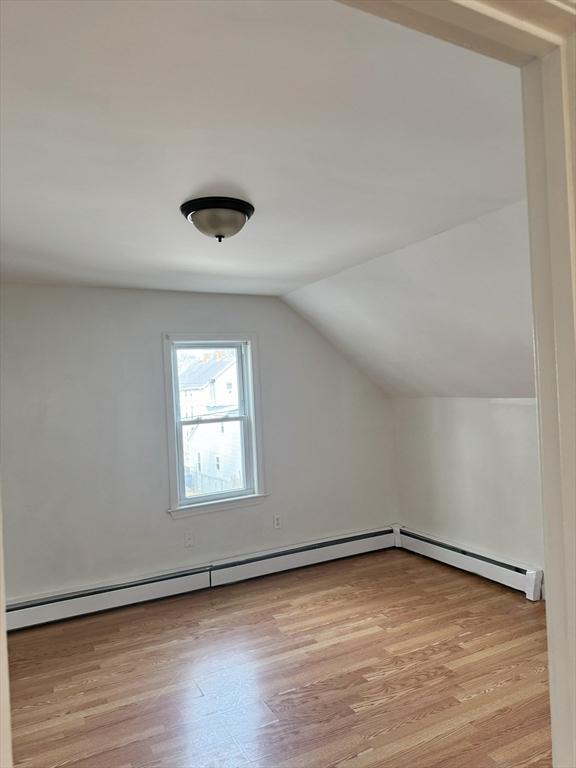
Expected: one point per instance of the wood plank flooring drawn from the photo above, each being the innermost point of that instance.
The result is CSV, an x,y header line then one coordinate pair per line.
x,y
385,659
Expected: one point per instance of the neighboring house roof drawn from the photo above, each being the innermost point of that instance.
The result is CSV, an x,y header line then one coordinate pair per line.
x,y
199,373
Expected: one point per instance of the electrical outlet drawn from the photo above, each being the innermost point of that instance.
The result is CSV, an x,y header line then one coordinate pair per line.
x,y
277,521
189,540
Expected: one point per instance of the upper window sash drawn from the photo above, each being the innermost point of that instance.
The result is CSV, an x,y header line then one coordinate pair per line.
x,y
241,372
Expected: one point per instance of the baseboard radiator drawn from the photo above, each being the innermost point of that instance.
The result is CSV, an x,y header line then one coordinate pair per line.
x,y
65,606
522,578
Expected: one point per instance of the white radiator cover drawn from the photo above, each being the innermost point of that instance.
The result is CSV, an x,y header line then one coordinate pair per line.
x,y
515,575
57,607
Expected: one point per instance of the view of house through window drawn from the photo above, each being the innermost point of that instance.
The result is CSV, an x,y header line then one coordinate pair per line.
x,y
213,418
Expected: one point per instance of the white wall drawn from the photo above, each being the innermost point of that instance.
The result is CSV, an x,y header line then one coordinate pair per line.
x,y
449,316
84,445
468,472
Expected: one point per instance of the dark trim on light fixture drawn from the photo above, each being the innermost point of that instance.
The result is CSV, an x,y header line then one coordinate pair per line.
x,y
202,203
218,217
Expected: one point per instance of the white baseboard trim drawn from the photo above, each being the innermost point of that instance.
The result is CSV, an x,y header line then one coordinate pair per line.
x,y
520,577
28,614
250,568
65,606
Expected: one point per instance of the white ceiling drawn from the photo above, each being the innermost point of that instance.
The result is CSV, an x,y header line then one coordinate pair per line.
x,y
449,316
352,136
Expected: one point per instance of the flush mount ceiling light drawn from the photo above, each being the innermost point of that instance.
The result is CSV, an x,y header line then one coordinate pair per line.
x,y
217,217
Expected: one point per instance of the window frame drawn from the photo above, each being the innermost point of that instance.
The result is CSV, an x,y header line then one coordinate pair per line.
x,y
248,398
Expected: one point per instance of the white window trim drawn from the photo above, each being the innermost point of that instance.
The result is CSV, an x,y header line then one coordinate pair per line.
x,y
234,499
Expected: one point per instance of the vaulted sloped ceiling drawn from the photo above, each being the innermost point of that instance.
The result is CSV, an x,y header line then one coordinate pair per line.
x,y
357,140
448,316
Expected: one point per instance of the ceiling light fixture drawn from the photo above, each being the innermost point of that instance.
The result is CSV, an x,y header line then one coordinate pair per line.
x,y
217,217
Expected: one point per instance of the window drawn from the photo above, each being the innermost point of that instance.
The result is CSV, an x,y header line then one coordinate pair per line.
x,y
211,387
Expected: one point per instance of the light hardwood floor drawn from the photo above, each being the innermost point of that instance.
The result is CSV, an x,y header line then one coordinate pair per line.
x,y
385,659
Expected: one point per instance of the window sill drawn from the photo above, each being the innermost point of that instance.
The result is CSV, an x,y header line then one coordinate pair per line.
x,y
216,506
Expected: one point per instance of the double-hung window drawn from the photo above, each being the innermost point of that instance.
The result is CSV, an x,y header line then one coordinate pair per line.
x,y
211,407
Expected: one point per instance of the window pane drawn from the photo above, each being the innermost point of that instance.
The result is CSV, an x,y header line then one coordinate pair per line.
x,y
207,381
213,460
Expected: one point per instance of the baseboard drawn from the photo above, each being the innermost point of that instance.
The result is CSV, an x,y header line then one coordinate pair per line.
x,y
522,578
29,613
298,557
65,606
